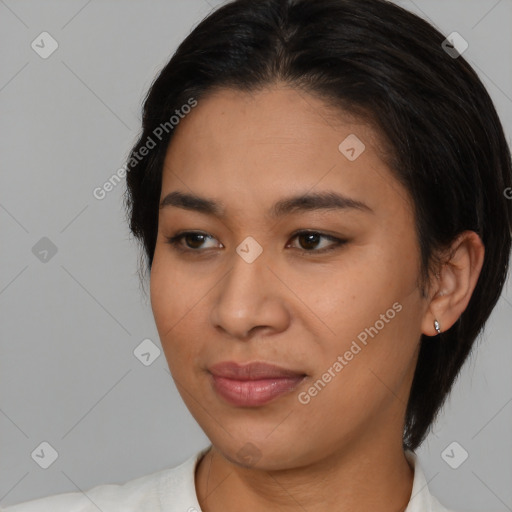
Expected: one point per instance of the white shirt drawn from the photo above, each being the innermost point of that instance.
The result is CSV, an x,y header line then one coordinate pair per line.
x,y
173,490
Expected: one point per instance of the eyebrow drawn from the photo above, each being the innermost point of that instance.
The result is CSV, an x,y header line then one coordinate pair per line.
x,y
287,206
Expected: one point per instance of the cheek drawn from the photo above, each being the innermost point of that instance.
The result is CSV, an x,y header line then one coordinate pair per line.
x,y
171,305
179,309
372,300
162,298
354,294
170,291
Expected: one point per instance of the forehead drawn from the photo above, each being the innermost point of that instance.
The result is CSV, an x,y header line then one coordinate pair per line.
x,y
271,143
277,114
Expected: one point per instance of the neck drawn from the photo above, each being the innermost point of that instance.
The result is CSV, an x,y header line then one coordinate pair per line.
x,y
362,477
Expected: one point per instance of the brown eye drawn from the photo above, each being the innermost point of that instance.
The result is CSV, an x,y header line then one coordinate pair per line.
x,y
193,241
309,240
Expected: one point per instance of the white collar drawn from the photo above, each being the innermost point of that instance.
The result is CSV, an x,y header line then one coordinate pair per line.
x,y
184,475
421,500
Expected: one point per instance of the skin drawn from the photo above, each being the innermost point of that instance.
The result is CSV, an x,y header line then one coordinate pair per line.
x,y
301,311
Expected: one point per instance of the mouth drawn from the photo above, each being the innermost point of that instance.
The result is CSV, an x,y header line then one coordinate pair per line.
x,y
253,384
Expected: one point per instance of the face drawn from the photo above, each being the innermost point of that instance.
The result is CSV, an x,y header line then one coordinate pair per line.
x,y
328,290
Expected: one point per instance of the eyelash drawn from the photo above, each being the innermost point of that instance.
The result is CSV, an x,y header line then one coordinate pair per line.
x,y
174,241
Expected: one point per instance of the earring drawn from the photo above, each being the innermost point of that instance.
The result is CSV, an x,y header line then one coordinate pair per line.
x,y
437,327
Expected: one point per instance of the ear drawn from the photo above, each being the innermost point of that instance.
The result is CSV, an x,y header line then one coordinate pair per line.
x,y
457,279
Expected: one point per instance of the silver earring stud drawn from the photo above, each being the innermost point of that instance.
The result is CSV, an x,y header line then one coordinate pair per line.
x,y
437,327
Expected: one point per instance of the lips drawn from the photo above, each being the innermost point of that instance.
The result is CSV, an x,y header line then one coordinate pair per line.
x,y
252,371
253,384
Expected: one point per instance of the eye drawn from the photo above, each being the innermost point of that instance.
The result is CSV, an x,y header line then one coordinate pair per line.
x,y
176,240
308,239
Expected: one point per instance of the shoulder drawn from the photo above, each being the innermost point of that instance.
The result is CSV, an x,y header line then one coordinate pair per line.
x,y
144,494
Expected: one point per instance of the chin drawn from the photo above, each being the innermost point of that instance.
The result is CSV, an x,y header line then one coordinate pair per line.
x,y
260,453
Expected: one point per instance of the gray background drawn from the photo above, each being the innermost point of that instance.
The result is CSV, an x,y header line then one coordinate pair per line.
x,y
70,325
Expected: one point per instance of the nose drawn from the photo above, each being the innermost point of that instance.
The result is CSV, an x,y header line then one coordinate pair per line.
x,y
250,298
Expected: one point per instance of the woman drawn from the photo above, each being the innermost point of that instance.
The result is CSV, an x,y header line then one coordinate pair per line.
x,y
320,189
